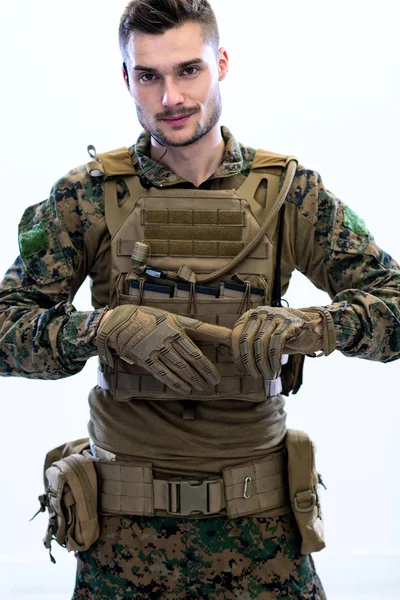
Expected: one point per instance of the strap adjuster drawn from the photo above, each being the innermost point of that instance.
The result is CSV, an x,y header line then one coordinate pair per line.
x,y
189,497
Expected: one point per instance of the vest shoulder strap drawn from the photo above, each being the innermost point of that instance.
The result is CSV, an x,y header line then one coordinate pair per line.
x,y
119,162
264,159
116,215
111,164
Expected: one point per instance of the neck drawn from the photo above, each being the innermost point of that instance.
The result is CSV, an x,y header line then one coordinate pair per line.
x,y
195,162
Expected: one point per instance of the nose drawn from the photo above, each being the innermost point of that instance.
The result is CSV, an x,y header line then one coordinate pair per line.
x,y
172,95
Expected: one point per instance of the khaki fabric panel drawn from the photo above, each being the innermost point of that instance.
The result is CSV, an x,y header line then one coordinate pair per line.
x,y
264,159
231,218
117,215
207,310
181,217
179,248
158,248
260,195
198,200
229,248
141,385
205,217
229,385
194,248
125,373
154,217
207,249
124,247
193,233
150,385
249,385
187,248
248,191
117,162
251,268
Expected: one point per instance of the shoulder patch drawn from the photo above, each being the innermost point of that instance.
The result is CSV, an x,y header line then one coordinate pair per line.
x,y
34,240
353,222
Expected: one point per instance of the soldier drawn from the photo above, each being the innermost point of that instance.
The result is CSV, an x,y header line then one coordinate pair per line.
x,y
190,239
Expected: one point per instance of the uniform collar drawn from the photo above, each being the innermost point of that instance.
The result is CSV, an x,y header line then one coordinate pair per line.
x,y
232,161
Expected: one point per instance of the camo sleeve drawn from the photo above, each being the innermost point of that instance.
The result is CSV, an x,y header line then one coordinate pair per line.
x,y
41,333
332,246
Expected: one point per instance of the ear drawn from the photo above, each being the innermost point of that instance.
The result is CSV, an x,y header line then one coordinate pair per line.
x,y
125,76
223,64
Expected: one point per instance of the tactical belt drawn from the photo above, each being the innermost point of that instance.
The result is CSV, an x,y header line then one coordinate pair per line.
x,y
129,489
110,380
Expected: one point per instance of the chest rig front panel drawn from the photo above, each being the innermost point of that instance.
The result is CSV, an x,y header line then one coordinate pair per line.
x,y
202,231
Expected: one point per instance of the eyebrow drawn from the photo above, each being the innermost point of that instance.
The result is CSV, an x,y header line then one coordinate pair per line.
x,y
176,67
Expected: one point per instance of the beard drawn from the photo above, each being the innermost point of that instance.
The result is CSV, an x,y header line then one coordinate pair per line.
x,y
214,114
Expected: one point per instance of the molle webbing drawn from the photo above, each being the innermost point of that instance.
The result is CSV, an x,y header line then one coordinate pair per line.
x,y
205,232
250,488
138,382
265,216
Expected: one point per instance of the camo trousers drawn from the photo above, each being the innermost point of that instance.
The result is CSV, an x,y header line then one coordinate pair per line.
x,y
168,558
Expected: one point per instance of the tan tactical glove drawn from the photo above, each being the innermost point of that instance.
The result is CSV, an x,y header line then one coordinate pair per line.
x,y
159,342
263,334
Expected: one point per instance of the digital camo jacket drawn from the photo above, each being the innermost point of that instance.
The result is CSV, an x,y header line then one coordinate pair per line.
x,y
43,336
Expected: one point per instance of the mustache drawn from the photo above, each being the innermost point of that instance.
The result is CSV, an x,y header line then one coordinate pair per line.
x,y
169,114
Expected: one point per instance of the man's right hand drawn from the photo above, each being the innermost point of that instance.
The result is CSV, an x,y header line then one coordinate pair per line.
x,y
161,342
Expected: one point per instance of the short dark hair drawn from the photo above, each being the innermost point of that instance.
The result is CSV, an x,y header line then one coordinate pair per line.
x,y
157,16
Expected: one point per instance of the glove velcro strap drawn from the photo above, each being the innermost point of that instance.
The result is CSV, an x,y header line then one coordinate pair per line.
x,y
329,329
117,318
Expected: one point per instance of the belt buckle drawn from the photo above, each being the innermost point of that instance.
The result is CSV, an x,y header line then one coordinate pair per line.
x,y
192,497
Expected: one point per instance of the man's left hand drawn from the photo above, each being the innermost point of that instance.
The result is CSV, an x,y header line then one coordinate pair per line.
x,y
262,335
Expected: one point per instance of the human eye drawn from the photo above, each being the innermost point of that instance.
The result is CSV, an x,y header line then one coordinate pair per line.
x,y
147,77
190,71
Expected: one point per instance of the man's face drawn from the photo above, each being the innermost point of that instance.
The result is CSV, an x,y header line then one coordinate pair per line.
x,y
174,79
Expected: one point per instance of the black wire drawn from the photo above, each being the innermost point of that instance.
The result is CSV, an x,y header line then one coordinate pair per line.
x,y
161,157
277,287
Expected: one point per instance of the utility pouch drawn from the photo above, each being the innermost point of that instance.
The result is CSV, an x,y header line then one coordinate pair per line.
x,y
71,500
303,483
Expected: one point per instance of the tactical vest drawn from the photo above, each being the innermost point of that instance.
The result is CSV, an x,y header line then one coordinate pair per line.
x,y
192,236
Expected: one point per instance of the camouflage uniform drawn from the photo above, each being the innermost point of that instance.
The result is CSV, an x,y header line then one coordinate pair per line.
x,y
43,336
245,559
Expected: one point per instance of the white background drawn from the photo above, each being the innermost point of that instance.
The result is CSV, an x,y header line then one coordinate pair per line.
x,y
311,78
